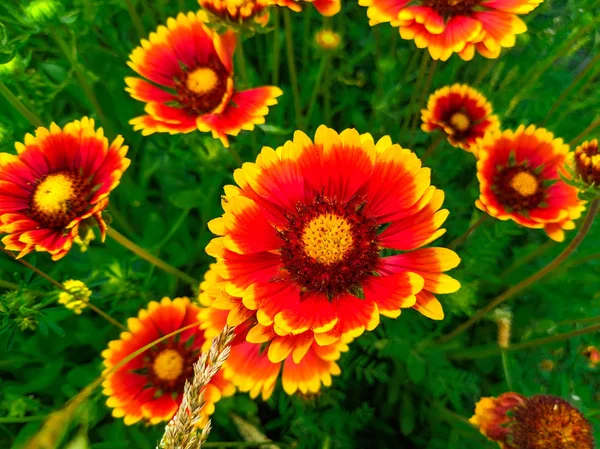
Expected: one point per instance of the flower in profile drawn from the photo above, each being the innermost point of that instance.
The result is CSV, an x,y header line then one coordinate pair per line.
x,y
462,113
237,13
328,39
519,176
593,355
60,179
491,416
76,297
193,66
583,166
258,355
445,27
548,422
302,236
150,386
327,8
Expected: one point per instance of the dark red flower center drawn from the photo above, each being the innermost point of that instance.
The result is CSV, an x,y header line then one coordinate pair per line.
x,y
58,198
448,8
329,247
519,188
201,90
169,365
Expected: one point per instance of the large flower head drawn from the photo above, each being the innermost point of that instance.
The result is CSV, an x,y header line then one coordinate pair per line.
x,y
302,236
258,355
237,13
445,27
462,113
492,416
150,386
193,66
519,176
60,178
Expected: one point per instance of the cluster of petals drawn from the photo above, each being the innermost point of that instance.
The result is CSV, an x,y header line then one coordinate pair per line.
x,y
149,386
462,113
59,180
189,82
521,175
445,27
299,245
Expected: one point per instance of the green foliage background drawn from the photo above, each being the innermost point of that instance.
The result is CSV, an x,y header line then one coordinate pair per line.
x,y
396,389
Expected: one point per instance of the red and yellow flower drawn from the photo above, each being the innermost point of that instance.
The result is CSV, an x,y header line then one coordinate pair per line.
x,y
327,8
462,113
492,419
592,353
258,355
519,176
193,66
238,12
328,39
301,238
445,27
150,386
59,181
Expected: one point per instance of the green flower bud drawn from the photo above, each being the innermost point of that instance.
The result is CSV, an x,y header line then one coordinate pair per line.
x,y
41,12
14,67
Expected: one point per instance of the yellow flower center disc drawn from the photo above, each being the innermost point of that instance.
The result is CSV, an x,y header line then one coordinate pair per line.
x,y
53,194
168,365
524,183
327,238
202,80
460,121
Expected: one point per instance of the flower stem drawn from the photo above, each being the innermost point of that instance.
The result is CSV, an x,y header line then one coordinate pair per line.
x,y
460,240
527,258
241,61
413,98
142,253
276,48
249,444
82,78
19,106
57,284
8,285
316,88
432,147
136,20
505,367
477,353
421,101
512,291
306,40
289,40
595,124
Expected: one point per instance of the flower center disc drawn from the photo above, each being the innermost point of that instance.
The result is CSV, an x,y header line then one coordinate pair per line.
x,y
452,7
524,183
202,89
327,238
460,122
518,188
58,198
168,365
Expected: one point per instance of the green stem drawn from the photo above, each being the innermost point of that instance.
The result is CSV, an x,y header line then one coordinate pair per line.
x,y
11,420
460,240
82,78
422,97
142,253
591,65
57,284
432,147
528,258
135,18
413,98
241,61
315,91
289,40
505,367
585,132
8,285
477,353
512,291
276,48
485,72
178,222
306,38
587,319
230,444
19,106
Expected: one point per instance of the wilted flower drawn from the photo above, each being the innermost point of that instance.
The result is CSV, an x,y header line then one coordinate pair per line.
x,y
77,296
328,39
491,415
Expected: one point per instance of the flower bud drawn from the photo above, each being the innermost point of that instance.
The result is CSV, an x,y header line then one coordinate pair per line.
x,y
77,296
42,12
328,40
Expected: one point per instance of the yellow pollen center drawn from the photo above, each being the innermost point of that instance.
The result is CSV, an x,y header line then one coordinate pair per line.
x,y
460,121
168,364
202,80
236,3
53,194
524,183
327,238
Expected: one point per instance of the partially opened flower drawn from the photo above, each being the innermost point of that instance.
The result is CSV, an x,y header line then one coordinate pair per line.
x,y
462,113
301,239
60,179
76,297
238,13
328,39
326,8
150,386
445,27
519,176
258,355
492,416
193,66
